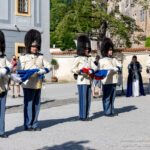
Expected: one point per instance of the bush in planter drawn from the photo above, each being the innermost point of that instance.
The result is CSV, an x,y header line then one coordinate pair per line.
x,y
147,43
54,63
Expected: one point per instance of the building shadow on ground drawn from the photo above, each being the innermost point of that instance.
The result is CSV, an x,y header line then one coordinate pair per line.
x,y
44,124
117,110
72,145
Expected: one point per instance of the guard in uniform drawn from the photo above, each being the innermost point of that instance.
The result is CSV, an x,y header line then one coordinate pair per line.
x,y
83,80
109,82
32,87
5,68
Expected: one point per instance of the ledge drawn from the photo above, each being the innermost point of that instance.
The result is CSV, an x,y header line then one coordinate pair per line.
x,y
95,51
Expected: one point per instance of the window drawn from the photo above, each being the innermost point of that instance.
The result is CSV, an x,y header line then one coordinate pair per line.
x,y
23,7
19,49
142,14
134,16
127,3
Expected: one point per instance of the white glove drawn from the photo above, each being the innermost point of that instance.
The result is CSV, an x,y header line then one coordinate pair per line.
x,y
116,69
41,71
3,72
90,72
15,78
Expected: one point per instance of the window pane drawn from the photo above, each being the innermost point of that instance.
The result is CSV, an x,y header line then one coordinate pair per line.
x,y
142,14
21,50
20,5
127,3
23,6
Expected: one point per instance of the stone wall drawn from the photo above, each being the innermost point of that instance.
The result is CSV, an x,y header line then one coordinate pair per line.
x,y
65,63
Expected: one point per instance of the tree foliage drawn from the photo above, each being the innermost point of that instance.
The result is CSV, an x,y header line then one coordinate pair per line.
x,y
74,17
65,40
147,43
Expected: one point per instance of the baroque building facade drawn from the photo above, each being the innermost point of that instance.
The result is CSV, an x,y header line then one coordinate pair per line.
x,y
19,16
137,12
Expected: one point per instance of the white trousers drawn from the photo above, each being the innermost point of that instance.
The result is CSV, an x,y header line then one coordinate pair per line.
x,y
135,87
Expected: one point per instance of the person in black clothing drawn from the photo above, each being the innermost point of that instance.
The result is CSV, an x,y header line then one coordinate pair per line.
x,y
134,83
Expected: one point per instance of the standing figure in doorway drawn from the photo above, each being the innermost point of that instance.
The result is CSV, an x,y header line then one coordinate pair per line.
x,y
135,83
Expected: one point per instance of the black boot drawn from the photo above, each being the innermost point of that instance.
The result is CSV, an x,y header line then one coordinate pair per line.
x,y
3,136
28,129
37,129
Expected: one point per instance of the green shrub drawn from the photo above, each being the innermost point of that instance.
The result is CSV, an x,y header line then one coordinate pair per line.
x,y
54,62
147,43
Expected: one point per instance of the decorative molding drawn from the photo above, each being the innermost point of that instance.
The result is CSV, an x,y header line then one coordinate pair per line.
x,y
8,21
22,29
37,13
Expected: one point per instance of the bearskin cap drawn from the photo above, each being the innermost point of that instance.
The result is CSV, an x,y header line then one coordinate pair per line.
x,y
83,43
32,38
2,42
106,46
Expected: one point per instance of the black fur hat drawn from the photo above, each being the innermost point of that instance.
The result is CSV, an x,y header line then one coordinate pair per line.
x,y
32,38
134,57
2,42
83,43
106,46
